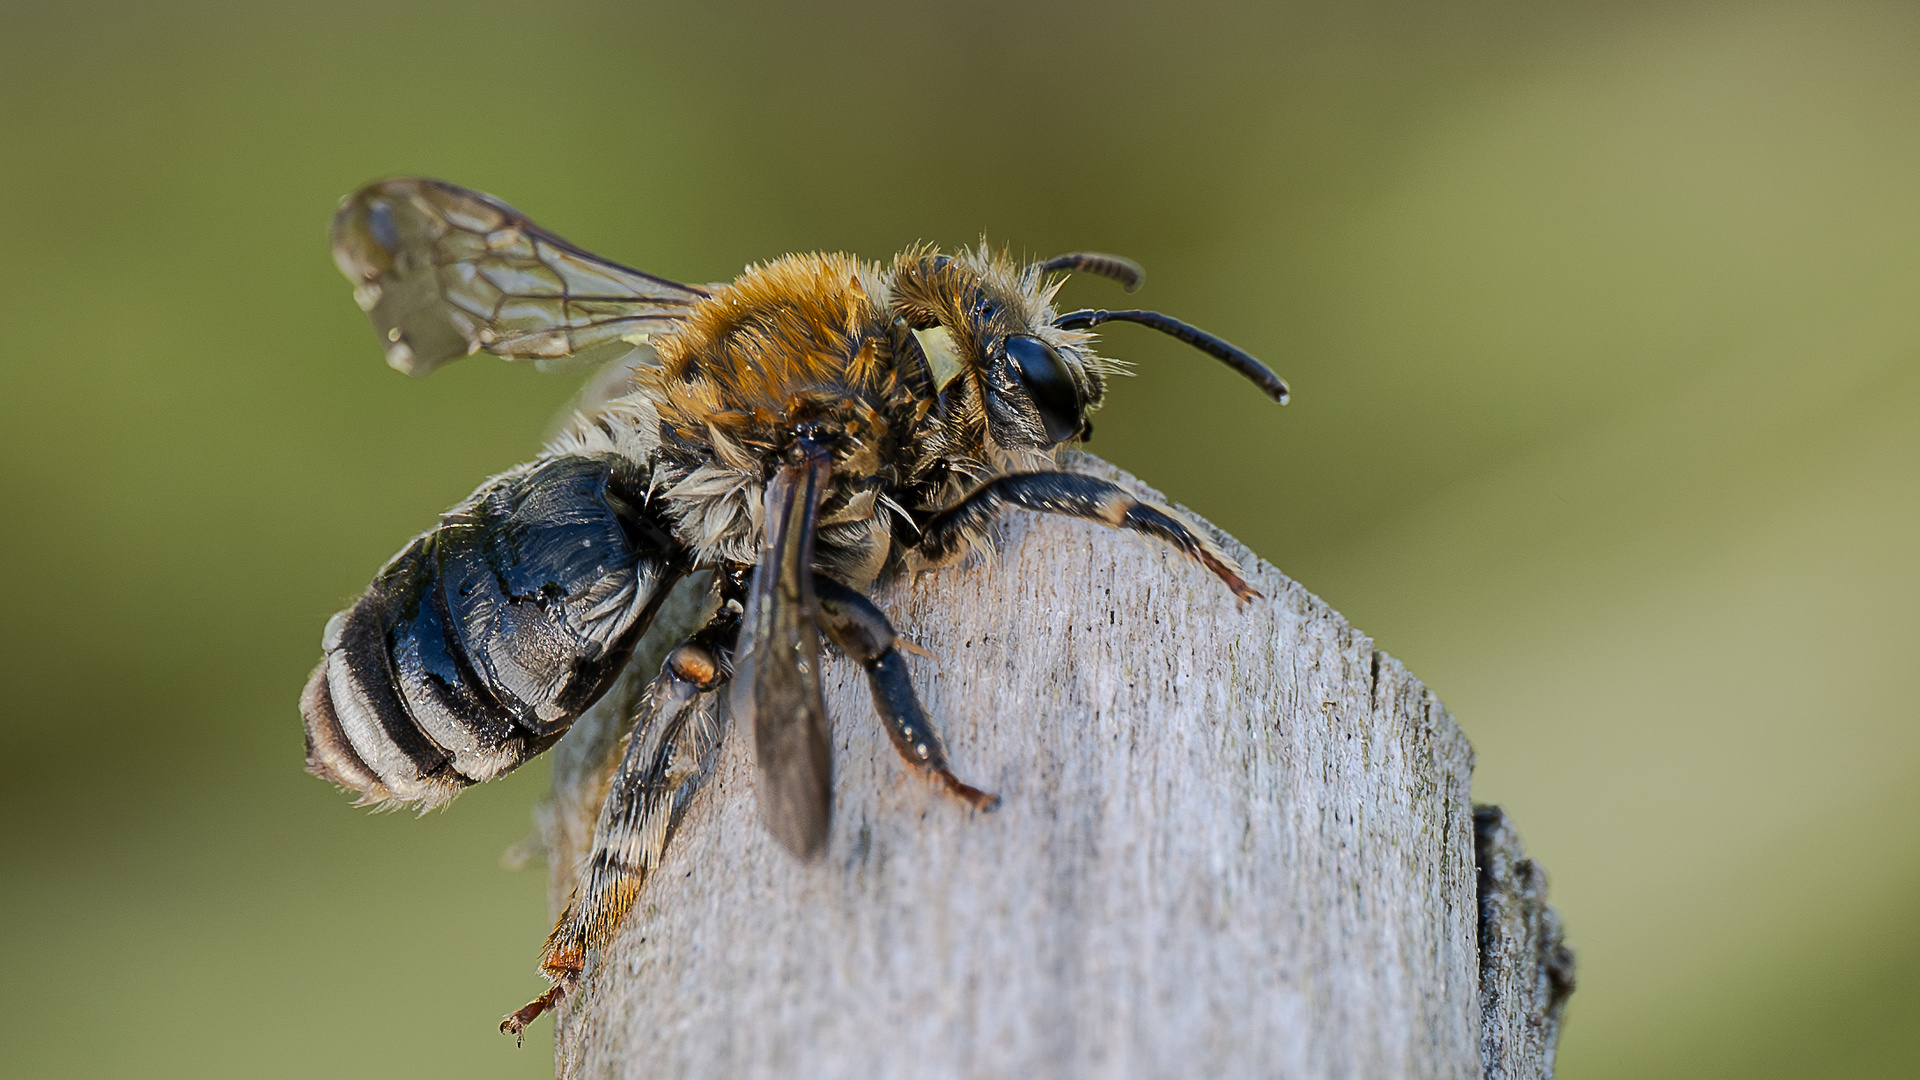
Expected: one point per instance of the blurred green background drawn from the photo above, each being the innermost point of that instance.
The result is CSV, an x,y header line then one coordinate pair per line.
x,y
1601,321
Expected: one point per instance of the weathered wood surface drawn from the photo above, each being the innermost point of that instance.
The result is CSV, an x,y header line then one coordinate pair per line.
x,y
1526,968
1235,841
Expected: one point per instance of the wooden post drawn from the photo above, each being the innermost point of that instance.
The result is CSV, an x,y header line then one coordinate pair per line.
x,y
1526,968
1236,840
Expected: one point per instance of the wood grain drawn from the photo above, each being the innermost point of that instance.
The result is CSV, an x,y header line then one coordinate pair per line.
x,y
1526,968
1236,840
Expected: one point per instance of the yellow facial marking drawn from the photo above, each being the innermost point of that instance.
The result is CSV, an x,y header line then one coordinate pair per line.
x,y
942,354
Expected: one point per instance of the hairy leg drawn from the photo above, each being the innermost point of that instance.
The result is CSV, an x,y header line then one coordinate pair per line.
x,y
946,534
863,633
668,757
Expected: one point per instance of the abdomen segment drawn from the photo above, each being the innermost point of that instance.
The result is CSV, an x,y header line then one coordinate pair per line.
x,y
481,641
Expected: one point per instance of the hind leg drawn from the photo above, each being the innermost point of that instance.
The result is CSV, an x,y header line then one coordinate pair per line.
x,y
668,758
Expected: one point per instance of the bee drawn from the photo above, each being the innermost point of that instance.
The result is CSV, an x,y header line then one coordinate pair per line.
x,y
815,426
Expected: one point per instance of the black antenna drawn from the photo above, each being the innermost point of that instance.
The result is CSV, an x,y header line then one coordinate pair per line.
x,y
1125,271
1235,357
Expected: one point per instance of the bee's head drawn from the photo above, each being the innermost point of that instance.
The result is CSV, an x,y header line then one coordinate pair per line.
x,y
999,355
993,355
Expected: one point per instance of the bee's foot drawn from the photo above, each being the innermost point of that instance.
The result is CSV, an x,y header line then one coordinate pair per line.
x,y
984,801
1228,573
516,1022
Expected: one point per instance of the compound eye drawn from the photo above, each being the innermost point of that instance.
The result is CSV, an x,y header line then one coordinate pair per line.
x,y
1048,383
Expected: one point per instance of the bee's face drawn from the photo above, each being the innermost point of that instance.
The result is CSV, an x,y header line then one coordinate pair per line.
x,y
1037,392
987,329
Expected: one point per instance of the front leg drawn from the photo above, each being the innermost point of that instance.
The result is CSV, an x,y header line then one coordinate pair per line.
x,y
863,633
668,757
947,532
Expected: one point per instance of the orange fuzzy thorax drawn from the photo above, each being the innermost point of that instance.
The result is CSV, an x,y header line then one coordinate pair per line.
x,y
799,336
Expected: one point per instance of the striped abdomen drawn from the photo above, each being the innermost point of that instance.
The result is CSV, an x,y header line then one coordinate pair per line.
x,y
483,639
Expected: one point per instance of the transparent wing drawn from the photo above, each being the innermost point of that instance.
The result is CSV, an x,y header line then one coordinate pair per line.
x,y
614,380
444,272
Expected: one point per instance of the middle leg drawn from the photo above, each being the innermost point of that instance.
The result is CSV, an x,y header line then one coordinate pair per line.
x,y
863,633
